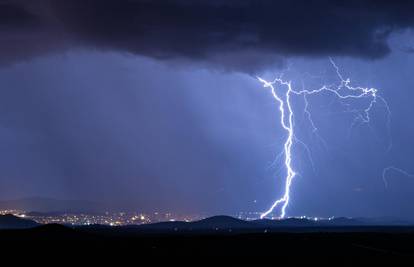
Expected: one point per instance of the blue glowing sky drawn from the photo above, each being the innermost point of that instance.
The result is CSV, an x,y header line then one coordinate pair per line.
x,y
192,131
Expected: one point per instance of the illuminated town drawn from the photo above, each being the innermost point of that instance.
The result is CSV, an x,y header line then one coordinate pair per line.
x,y
106,218
114,218
124,218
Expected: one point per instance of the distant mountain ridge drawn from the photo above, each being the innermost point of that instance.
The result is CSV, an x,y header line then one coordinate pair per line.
x,y
227,223
41,204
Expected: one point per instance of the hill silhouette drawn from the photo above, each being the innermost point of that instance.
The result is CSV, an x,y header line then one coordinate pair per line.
x,y
227,223
9,221
211,223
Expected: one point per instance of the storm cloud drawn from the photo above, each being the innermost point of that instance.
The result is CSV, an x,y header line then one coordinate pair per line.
x,y
243,36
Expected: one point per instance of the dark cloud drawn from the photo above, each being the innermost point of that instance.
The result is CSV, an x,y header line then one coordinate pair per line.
x,y
15,16
237,35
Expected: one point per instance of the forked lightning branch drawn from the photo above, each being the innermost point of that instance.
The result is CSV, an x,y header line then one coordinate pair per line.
x,y
282,92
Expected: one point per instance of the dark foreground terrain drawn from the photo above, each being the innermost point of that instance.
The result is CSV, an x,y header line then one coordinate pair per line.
x,y
60,245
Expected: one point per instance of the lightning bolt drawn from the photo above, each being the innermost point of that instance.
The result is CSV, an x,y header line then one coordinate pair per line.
x,y
343,91
285,109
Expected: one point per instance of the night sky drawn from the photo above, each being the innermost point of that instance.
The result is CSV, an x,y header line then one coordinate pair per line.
x,y
155,105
